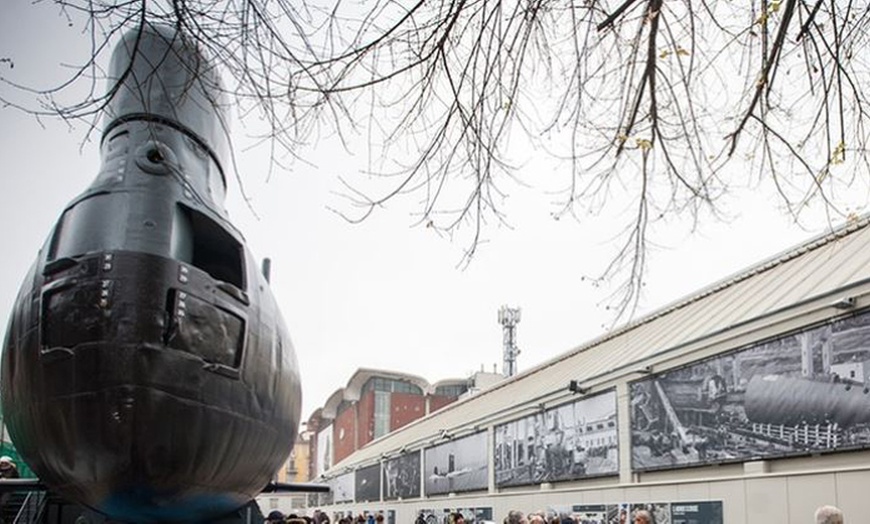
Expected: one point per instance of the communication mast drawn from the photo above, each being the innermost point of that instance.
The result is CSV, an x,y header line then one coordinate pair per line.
x,y
509,318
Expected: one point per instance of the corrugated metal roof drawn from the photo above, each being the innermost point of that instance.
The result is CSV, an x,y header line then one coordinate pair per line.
x,y
814,269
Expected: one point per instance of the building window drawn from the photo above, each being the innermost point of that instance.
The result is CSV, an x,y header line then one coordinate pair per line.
x,y
382,413
454,390
391,386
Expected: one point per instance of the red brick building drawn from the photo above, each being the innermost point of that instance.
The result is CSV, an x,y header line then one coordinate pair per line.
x,y
373,404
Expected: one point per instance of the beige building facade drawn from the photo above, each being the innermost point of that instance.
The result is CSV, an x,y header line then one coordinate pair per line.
x,y
746,400
295,470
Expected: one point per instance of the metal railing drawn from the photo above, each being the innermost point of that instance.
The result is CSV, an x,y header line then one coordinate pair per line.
x,y
31,508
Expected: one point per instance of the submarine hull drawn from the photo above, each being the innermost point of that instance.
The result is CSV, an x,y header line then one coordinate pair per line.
x,y
795,400
146,370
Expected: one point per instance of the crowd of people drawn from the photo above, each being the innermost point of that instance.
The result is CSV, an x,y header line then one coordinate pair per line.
x,y
513,517
320,517
543,517
823,515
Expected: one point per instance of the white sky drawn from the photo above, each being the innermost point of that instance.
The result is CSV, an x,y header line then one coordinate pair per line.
x,y
380,294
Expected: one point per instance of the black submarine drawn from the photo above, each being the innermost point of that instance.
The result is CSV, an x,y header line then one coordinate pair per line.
x,y
147,372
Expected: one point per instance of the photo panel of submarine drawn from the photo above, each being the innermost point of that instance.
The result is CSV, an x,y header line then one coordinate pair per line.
x,y
805,392
567,442
457,465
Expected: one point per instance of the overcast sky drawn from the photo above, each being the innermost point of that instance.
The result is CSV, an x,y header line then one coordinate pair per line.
x,y
381,294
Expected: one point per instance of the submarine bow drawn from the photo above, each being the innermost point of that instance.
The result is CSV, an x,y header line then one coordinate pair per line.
x,y
147,372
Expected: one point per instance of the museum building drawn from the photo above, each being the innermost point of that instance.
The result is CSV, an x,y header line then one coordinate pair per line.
x,y
376,402
746,402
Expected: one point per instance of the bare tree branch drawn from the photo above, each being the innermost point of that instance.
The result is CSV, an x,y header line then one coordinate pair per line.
x,y
668,105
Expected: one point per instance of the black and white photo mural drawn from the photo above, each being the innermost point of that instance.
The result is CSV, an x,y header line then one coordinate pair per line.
x,y
704,512
707,511
804,392
325,499
571,441
402,476
323,460
659,511
367,484
456,465
341,488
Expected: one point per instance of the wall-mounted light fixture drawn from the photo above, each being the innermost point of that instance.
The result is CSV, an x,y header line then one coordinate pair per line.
x,y
845,303
575,387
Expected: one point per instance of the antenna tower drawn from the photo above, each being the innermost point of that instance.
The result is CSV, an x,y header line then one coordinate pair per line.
x,y
509,318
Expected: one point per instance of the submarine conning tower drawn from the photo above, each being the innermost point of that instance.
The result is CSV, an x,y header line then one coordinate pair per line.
x,y
158,76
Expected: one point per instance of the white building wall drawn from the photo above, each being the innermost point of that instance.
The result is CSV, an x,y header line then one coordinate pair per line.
x,y
748,498
782,297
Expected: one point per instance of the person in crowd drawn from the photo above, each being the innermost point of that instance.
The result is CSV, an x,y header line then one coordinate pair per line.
x,y
8,469
829,515
456,518
623,515
642,516
275,517
515,517
537,518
